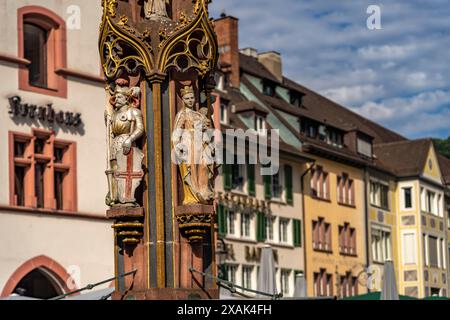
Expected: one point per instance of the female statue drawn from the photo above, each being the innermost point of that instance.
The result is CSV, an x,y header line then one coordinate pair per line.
x,y
193,149
155,9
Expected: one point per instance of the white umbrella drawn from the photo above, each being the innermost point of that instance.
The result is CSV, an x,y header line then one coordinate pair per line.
x,y
300,286
389,290
266,280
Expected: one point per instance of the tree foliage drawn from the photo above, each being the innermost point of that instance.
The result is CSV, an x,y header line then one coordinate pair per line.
x,y
443,146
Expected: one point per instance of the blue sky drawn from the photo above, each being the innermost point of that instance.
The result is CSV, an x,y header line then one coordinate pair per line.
x,y
398,76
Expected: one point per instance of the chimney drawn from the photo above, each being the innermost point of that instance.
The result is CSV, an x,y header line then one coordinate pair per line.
x,y
272,61
227,31
251,52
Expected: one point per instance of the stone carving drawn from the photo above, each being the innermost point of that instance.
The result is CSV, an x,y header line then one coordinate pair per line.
x,y
155,9
194,151
125,126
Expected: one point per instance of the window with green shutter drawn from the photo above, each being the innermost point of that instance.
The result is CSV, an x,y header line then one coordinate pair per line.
x,y
227,177
261,227
288,184
222,220
297,226
268,187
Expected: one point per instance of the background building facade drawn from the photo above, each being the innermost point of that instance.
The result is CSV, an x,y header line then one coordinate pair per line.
x,y
54,232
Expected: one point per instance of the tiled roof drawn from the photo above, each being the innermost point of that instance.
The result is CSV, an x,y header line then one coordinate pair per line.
x,y
444,164
394,154
318,107
404,158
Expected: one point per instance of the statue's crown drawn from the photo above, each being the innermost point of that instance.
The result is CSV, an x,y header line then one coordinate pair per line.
x,y
187,90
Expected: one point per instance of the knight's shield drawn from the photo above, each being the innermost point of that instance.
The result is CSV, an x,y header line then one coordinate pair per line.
x,y
129,174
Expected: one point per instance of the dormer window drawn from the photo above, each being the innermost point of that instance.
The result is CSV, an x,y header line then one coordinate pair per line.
x,y
296,99
335,138
364,147
260,124
268,89
312,131
322,132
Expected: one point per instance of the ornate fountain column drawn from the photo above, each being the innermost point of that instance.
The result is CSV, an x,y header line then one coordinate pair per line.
x,y
159,58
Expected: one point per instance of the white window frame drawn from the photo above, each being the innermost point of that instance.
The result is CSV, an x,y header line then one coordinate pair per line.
x,y
246,276
261,130
281,183
270,220
288,234
236,228
250,225
404,251
402,197
384,246
286,281
225,108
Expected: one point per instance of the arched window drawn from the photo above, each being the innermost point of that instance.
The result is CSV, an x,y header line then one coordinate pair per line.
x,y
39,277
42,42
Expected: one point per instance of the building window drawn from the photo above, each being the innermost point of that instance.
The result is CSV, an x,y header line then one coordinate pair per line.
x,y
346,190
347,240
407,198
270,222
247,274
237,175
42,41
381,245
312,131
321,235
433,251
277,186
364,147
285,282
268,89
284,231
409,248
35,50
245,225
260,125
296,99
335,138
323,284
430,202
348,285
223,112
231,271
231,223
320,184
379,195
42,171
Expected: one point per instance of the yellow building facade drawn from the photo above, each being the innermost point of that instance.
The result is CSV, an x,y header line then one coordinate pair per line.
x,y
334,262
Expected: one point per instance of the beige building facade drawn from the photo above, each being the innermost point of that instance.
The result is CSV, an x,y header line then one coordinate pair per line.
x,y
54,233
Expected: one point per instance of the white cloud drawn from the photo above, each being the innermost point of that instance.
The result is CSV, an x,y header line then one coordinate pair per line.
x,y
386,52
354,95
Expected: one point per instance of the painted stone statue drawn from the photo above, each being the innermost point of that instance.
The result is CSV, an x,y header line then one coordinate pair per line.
x,y
194,151
125,126
155,9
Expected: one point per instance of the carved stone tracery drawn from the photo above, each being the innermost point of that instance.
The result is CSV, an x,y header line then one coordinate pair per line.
x,y
186,43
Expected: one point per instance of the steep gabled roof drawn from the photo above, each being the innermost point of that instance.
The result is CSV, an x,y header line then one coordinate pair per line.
x,y
444,164
318,107
403,158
